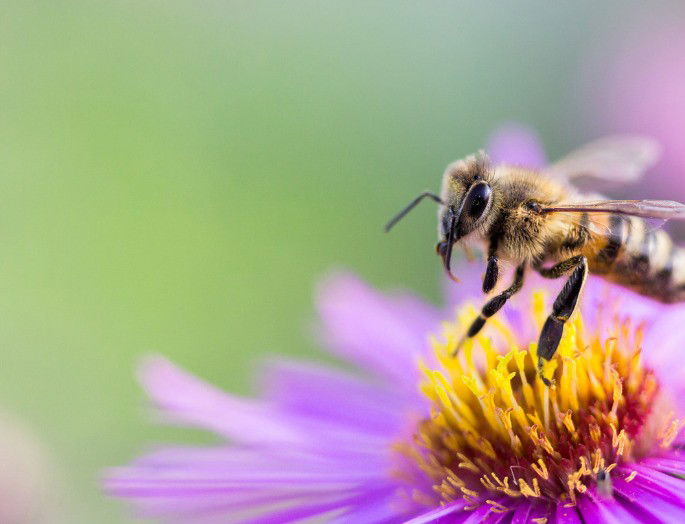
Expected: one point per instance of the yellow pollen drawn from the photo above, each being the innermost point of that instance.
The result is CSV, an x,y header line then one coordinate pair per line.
x,y
526,491
497,507
630,477
542,470
469,492
467,464
670,433
496,429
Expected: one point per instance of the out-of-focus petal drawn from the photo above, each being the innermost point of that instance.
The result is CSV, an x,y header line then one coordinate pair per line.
x,y
190,482
185,399
469,289
318,392
382,334
371,495
516,144
378,508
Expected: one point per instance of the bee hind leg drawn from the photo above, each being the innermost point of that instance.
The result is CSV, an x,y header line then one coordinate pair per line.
x,y
492,307
563,308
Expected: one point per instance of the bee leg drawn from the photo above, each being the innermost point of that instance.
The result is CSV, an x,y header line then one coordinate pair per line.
x,y
493,306
560,269
563,308
491,273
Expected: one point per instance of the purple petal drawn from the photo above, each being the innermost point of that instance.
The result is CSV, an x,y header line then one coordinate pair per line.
x,y
516,144
663,344
438,513
646,502
480,514
383,335
594,509
374,507
564,515
305,511
185,399
672,463
318,392
669,488
209,481
521,513
539,510
469,289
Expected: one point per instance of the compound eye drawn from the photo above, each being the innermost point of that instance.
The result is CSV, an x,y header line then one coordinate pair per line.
x,y
477,200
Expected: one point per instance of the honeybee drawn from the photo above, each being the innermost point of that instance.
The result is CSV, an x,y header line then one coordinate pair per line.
x,y
537,219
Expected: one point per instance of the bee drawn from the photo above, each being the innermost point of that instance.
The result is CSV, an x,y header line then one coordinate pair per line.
x,y
538,220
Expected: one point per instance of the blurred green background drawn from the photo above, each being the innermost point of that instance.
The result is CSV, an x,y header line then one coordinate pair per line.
x,y
176,176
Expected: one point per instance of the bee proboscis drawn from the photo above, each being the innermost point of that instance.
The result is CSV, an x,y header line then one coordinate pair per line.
x,y
537,219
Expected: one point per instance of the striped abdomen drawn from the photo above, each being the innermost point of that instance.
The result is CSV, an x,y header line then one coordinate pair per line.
x,y
625,250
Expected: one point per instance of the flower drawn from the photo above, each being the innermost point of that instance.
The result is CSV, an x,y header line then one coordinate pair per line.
x,y
422,436
482,437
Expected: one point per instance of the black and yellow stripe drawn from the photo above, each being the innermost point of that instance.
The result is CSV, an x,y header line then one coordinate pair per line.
x,y
633,255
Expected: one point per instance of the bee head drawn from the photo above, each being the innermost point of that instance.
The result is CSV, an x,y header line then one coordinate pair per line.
x,y
465,200
467,197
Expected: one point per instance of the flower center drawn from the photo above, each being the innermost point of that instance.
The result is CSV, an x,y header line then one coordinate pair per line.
x,y
497,431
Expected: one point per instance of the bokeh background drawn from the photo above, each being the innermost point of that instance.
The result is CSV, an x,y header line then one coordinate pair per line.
x,y
176,176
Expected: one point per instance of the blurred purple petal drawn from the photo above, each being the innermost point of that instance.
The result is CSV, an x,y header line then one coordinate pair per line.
x,y
437,514
384,335
315,391
469,289
517,145
185,399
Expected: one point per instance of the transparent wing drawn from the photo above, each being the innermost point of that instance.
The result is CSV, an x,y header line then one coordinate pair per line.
x,y
595,223
618,159
648,209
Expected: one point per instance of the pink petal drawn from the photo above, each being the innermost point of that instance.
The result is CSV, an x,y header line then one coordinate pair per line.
x,y
381,334
314,391
516,144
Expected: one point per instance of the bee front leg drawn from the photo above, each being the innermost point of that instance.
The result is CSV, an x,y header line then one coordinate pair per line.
x,y
493,305
563,308
491,273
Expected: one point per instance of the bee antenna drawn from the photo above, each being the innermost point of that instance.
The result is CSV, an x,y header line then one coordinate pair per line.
x,y
399,216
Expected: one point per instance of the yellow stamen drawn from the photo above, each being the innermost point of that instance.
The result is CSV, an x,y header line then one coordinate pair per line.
x,y
496,429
